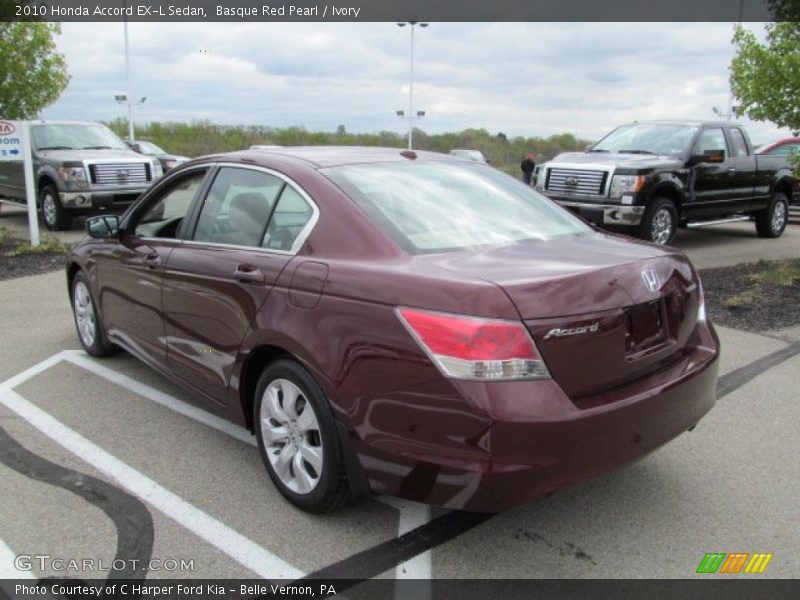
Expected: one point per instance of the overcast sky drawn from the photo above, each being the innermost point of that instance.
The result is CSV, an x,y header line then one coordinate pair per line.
x,y
532,79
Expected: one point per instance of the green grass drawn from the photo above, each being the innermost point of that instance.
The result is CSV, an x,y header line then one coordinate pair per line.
x,y
743,298
780,272
4,233
47,244
784,273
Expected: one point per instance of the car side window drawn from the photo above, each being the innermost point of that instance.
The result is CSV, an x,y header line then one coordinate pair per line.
x,y
291,216
238,206
164,218
785,149
739,143
711,139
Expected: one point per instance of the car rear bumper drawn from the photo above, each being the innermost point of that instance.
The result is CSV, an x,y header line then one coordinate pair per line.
x,y
537,440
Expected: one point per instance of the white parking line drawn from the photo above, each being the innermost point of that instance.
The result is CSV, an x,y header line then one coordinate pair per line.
x,y
165,400
411,514
8,569
241,549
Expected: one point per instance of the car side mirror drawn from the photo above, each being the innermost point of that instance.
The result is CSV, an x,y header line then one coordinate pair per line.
x,y
709,156
104,226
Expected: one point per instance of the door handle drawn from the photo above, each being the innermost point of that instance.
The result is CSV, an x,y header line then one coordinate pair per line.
x,y
731,170
248,274
152,260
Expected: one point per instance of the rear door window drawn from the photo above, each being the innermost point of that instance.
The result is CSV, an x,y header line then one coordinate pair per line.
x,y
289,219
249,207
739,143
237,207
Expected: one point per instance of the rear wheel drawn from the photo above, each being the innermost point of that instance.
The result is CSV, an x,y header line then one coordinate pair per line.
x,y
55,216
659,222
771,222
87,322
297,438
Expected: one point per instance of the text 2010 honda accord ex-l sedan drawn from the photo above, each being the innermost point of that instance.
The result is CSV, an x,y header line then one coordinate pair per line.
x,y
400,323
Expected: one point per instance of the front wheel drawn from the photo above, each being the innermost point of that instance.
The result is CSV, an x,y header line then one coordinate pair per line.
x,y
659,222
54,215
87,321
771,222
297,438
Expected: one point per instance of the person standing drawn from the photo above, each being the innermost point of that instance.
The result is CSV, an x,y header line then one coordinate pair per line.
x,y
527,167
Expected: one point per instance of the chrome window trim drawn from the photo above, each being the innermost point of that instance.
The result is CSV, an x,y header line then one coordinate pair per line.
x,y
304,232
235,247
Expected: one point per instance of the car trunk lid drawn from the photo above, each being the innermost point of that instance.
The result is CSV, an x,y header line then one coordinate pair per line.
x,y
603,311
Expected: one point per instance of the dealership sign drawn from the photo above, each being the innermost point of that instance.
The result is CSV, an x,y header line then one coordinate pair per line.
x,y
13,141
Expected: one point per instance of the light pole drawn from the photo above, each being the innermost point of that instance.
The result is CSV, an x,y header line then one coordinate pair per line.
x,y
126,99
128,82
411,115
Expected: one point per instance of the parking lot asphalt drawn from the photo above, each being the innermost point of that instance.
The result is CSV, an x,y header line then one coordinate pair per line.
x,y
106,458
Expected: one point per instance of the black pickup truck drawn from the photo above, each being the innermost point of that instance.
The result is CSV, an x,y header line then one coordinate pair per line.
x,y
652,177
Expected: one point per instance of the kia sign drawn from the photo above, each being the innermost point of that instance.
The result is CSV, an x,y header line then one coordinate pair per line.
x,y
14,147
13,141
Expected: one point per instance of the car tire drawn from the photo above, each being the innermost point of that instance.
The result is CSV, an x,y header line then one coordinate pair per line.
x,y
91,332
54,215
771,222
298,439
659,222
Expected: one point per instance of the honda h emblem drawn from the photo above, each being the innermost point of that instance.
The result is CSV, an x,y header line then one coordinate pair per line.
x,y
651,280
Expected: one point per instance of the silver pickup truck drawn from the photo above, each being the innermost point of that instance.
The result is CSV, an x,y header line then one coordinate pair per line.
x,y
79,168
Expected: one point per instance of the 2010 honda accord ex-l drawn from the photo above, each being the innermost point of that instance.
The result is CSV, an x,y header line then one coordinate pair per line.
x,y
400,322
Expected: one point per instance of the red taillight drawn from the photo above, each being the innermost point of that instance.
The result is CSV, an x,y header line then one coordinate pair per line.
x,y
476,348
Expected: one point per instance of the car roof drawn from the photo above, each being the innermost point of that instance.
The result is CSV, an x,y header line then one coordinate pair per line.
x,y
48,122
697,123
333,156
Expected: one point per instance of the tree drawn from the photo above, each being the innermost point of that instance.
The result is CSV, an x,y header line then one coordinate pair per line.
x,y
32,73
765,78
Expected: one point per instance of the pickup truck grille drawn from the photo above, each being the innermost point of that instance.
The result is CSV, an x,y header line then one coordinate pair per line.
x,y
120,173
575,181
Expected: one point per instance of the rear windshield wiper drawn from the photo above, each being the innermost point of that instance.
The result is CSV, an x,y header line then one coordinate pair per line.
x,y
635,152
597,150
97,148
56,148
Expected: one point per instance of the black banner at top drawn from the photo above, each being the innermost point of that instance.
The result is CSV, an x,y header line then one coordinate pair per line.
x,y
401,10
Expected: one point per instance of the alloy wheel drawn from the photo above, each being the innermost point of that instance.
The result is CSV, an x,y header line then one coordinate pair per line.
x,y
661,229
49,209
291,434
84,314
778,217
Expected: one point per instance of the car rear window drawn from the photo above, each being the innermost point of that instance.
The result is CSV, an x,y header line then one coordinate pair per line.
x,y
429,207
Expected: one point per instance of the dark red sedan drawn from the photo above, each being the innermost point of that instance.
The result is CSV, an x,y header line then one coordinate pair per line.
x,y
400,322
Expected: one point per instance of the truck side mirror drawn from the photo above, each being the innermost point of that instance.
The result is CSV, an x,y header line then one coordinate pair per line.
x,y
709,156
104,226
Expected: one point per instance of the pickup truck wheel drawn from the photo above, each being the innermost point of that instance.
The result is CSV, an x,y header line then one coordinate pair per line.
x,y
659,222
55,216
771,222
